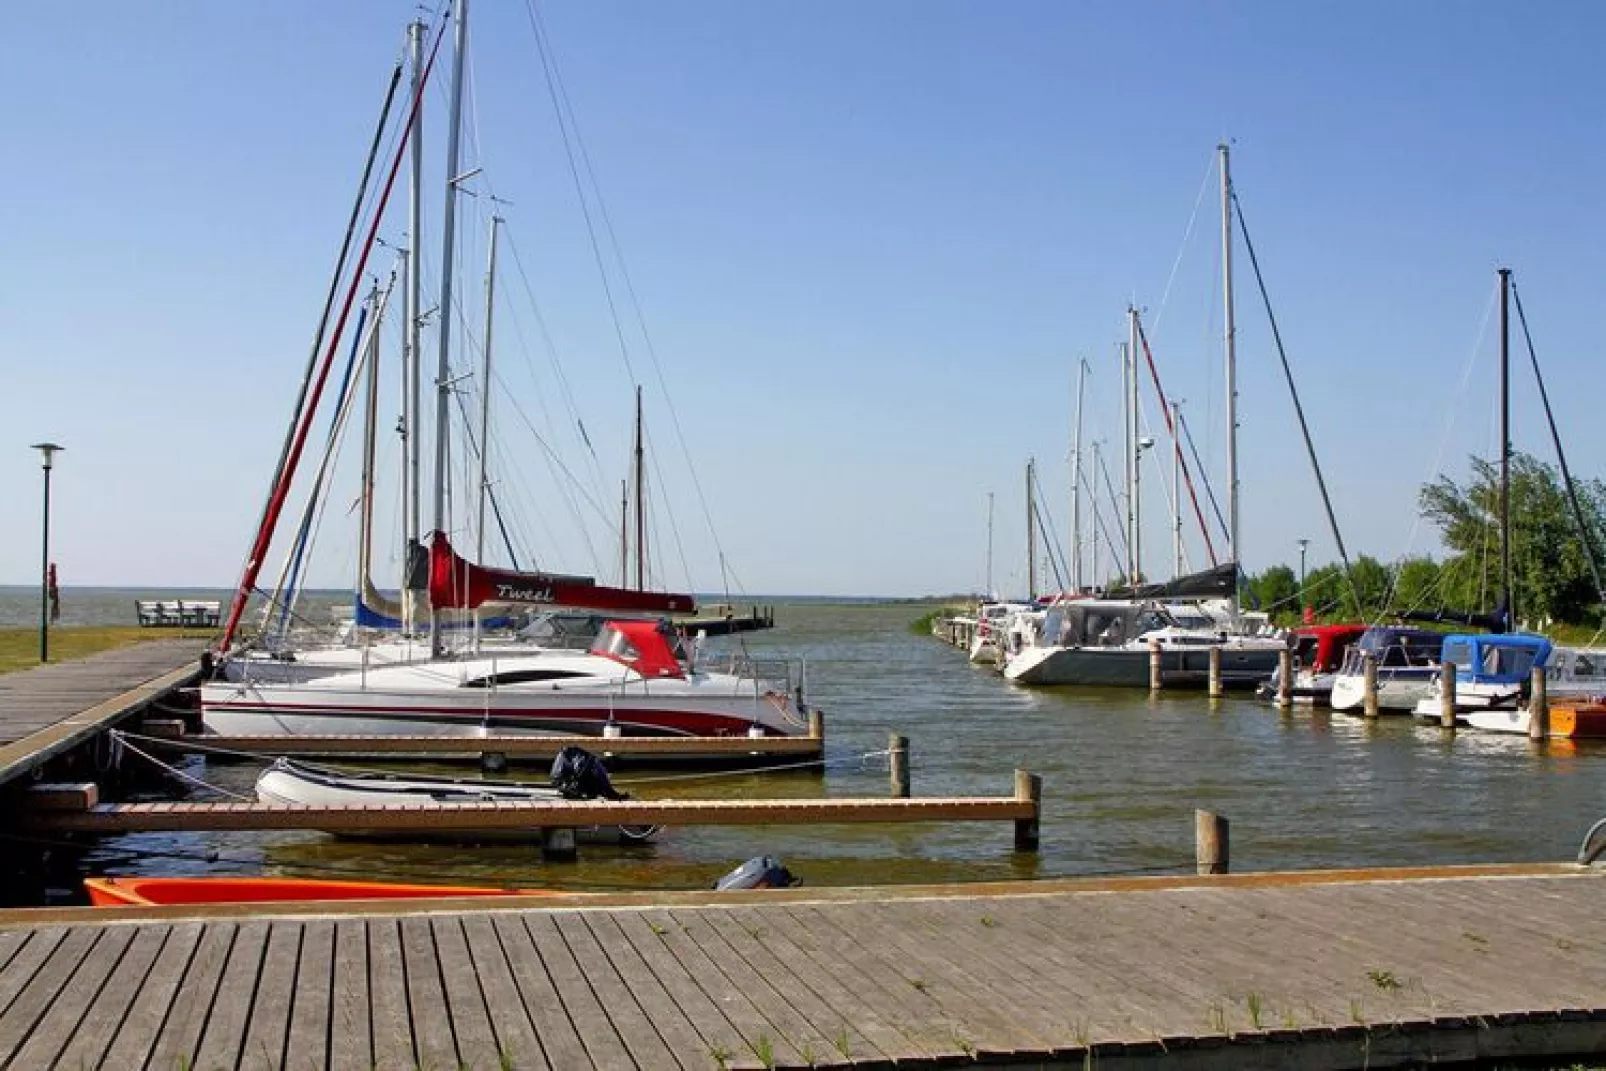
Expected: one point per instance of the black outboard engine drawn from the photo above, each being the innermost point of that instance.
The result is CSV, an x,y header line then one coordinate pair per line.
x,y
580,775
759,872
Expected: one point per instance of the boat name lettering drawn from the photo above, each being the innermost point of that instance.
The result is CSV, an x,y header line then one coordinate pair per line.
x,y
524,593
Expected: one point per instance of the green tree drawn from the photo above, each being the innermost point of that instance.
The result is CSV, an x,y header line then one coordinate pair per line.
x,y
1551,578
1416,584
1276,591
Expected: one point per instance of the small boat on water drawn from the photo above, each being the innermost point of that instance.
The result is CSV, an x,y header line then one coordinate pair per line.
x,y
992,622
1494,673
1317,653
577,775
155,892
1407,665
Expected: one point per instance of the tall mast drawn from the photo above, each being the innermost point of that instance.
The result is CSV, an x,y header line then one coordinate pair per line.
x,y
370,422
1076,482
989,591
485,387
1506,593
1031,530
1128,437
412,351
1098,522
443,370
624,533
1230,337
641,510
1136,505
1176,492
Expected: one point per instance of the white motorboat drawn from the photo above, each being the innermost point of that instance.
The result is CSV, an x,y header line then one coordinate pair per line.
x,y
290,783
636,679
1494,674
992,621
1407,665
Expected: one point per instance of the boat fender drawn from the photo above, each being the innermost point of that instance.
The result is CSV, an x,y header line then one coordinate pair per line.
x,y
759,872
579,775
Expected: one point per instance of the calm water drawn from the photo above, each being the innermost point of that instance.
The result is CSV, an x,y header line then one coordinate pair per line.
x,y
1122,775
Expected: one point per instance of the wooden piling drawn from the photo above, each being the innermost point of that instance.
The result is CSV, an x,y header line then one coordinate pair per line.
x,y
1369,704
1215,673
1210,842
1285,679
898,750
1538,706
1447,694
1156,675
493,762
1028,787
816,723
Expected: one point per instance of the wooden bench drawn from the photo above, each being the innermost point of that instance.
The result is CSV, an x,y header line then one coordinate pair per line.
x,y
176,613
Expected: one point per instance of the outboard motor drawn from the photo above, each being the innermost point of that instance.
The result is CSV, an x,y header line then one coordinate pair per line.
x,y
580,775
759,872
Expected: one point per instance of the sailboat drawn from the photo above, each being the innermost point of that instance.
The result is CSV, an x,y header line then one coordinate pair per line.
x,y
1107,641
637,676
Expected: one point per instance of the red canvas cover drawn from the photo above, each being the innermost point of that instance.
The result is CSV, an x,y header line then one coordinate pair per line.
x,y
457,584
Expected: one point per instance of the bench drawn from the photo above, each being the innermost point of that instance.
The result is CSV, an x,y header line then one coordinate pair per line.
x,y
176,613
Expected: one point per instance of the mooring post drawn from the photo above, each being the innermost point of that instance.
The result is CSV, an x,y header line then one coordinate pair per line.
x,y
1369,705
493,761
1209,842
1156,675
557,845
898,750
1215,673
1285,679
1447,694
816,723
1538,706
1028,786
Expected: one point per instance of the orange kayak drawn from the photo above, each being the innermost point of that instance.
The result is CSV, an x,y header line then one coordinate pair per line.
x,y
148,892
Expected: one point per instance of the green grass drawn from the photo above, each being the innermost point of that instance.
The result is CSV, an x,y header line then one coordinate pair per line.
x,y
19,647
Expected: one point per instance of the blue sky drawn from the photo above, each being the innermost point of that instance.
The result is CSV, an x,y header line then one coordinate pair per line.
x,y
869,241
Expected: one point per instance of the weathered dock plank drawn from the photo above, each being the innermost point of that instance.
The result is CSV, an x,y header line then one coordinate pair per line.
x,y
1203,973
49,709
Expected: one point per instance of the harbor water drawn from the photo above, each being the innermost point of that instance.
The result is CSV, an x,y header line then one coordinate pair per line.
x,y
1122,774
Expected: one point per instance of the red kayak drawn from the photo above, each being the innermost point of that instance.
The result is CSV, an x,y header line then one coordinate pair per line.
x,y
150,892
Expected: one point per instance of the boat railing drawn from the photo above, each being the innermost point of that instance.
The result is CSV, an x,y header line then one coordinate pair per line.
x,y
766,674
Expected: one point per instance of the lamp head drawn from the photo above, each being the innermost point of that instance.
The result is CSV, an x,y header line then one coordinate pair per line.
x,y
1145,442
48,452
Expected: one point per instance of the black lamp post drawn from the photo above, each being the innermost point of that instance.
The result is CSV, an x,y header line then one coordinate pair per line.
x,y
47,451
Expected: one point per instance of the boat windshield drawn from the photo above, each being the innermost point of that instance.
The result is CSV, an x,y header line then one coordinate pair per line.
x,y
1196,621
615,644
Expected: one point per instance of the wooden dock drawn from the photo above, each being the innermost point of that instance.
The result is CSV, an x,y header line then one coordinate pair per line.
x,y
50,709
1336,970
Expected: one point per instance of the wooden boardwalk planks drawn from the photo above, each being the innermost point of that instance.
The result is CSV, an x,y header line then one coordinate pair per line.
x,y
46,710
1285,971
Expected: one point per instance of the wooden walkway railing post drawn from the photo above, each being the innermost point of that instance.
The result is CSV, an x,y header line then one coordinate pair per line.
x,y
1209,842
898,767
1028,786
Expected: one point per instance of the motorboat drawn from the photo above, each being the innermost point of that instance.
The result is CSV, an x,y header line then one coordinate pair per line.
x,y
636,679
992,621
1316,653
1494,675
1407,662
1569,719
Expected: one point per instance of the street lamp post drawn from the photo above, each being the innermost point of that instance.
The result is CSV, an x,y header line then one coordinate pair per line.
x,y
47,452
1303,543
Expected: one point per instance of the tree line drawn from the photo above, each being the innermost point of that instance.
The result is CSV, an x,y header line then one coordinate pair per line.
x,y
1552,579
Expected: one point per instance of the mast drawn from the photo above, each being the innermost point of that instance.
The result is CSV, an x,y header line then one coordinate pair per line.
x,y
443,370
989,591
641,511
1076,482
412,350
1176,491
624,533
1505,449
1128,437
1031,529
370,423
485,389
1135,535
1098,522
1230,340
